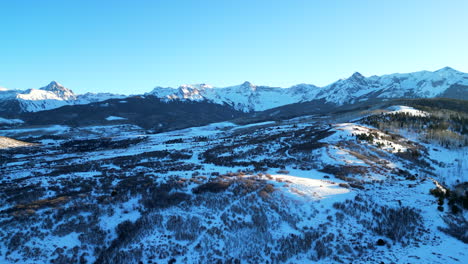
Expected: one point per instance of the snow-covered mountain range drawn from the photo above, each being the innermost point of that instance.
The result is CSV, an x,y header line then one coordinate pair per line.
x,y
52,96
247,97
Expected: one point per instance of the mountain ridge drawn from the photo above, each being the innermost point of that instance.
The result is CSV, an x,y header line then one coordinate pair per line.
x,y
356,88
51,96
247,97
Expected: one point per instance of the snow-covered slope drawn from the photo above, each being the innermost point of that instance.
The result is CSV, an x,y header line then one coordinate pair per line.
x,y
303,190
48,97
423,84
249,97
52,96
397,109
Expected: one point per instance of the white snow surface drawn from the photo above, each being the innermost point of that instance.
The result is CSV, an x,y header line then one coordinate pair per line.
x,y
311,188
407,110
113,118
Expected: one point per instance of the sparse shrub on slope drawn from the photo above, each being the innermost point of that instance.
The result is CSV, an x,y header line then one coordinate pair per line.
x,y
399,224
457,226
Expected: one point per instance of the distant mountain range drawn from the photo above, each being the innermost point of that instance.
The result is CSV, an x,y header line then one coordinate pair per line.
x,y
247,97
52,96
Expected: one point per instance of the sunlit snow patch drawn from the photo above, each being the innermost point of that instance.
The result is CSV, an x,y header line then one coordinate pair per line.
x,y
12,143
113,118
344,156
348,130
397,109
310,188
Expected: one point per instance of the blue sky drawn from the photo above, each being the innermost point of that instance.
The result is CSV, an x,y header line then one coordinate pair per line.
x,y
132,46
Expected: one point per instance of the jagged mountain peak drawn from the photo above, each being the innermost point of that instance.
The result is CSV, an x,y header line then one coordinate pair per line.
x,y
59,90
247,86
55,83
357,75
447,69
357,78
52,86
51,96
448,72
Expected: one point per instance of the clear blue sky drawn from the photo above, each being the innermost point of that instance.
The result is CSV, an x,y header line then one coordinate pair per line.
x,y
133,46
